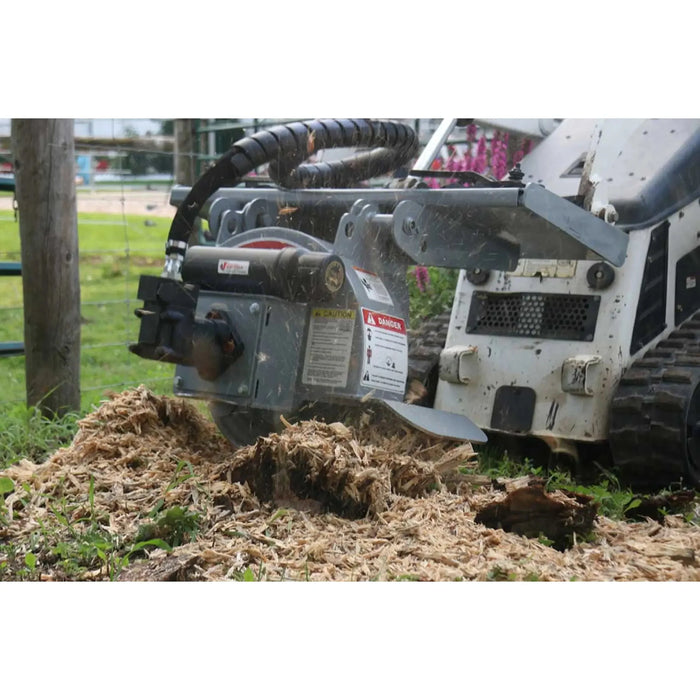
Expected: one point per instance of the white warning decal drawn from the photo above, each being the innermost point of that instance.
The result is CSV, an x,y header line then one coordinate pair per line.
x,y
373,286
233,267
328,347
385,355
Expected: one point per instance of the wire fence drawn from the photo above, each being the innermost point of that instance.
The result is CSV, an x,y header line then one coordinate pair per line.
x,y
124,213
121,235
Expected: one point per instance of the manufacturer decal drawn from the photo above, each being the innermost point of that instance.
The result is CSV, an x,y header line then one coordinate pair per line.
x,y
233,267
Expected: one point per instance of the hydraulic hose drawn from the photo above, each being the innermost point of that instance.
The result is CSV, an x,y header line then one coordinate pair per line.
x,y
285,148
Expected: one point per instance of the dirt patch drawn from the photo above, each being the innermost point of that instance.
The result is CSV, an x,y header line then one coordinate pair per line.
x,y
139,456
149,203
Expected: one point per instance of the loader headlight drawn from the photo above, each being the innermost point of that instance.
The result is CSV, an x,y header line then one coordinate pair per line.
x,y
600,276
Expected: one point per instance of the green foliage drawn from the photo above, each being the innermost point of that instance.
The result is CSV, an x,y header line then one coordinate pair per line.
x,y
435,297
6,485
249,574
175,527
30,560
26,434
612,499
500,465
407,577
498,573
543,539
71,546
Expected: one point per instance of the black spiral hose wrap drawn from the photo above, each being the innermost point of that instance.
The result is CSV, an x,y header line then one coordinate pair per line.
x,y
285,148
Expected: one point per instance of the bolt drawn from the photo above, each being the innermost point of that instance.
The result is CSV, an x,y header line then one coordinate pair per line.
x,y
243,389
516,174
254,308
409,226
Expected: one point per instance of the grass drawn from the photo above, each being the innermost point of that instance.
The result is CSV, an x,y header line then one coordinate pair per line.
x,y
613,499
75,536
73,545
114,251
27,434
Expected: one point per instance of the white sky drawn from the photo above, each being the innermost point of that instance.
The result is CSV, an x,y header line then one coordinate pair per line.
x,y
103,128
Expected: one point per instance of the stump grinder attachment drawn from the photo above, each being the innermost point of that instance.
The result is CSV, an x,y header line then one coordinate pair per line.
x,y
301,301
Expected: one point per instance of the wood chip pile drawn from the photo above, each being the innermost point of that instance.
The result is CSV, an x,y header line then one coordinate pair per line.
x,y
314,502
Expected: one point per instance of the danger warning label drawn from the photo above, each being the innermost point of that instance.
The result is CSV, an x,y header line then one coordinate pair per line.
x,y
328,347
385,355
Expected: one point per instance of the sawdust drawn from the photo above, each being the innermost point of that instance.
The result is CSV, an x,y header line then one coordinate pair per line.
x,y
139,454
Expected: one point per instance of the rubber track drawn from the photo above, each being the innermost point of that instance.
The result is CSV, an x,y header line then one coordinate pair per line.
x,y
649,412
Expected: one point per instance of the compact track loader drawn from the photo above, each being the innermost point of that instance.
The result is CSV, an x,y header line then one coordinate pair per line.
x,y
573,320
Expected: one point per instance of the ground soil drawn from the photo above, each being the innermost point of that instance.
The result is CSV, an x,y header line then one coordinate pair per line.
x,y
149,203
145,467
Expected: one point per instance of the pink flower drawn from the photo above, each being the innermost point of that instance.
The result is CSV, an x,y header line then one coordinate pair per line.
x,y
480,161
422,278
499,156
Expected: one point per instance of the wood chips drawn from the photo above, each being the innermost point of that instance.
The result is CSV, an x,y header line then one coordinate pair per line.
x,y
347,504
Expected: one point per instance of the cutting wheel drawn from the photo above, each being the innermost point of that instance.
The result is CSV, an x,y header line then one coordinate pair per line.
x,y
243,426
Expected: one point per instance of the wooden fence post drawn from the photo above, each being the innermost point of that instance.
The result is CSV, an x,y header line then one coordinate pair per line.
x,y
184,152
44,163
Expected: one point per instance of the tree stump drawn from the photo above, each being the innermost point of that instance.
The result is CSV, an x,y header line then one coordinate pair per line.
x,y
529,511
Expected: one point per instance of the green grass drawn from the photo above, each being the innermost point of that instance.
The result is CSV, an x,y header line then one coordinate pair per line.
x,y
114,251
612,498
27,434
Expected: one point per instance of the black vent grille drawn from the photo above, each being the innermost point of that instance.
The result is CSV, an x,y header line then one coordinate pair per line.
x,y
555,316
651,308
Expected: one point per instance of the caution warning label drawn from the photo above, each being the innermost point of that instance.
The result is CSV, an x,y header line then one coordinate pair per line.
x,y
328,347
385,355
